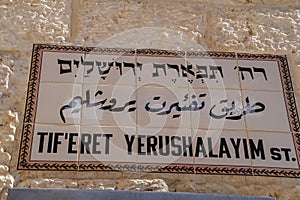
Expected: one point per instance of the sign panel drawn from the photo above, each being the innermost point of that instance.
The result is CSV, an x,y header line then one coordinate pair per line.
x,y
159,111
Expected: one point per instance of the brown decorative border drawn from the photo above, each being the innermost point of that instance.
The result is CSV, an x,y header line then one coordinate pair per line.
x,y
31,102
131,167
224,170
276,172
211,54
155,52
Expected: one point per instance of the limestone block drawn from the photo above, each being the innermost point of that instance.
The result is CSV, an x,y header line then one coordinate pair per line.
x,y
14,69
8,123
6,181
234,3
143,184
185,183
257,30
5,72
47,183
141,24
252,3
31,21
98,184
5,158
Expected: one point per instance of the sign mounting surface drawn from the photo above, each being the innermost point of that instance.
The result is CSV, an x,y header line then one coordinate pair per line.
x,y
159,111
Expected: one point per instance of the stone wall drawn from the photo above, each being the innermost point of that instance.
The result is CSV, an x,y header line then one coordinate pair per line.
x,y
253,26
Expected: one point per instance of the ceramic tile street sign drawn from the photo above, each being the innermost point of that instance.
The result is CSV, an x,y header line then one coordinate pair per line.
x,y
94,109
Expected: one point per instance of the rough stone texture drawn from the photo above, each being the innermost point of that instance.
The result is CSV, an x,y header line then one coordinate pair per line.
x,y
255,26
28,21
265,30
51,183
252,3
100,184
8,122
142,184
13,80
117,22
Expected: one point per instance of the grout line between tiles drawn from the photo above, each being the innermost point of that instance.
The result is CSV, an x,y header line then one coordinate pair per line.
x,y
245,121
191,129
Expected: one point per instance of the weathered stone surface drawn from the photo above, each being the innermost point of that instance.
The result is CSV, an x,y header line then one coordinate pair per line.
x,y
142,24
48,183
8,123
6,181
257,30
232,3
25,22
142,184
252,3
100,184
104,184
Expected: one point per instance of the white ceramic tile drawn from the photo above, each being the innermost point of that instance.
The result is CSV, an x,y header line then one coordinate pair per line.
x,y
60,67
159,107
55,143
259,75
59,103
101,69
267,111
164,146
213,73
108,144
273,149
109,105
221,109
221,147
161,71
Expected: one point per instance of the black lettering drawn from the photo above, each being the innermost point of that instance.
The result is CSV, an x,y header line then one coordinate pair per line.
x,y
246,151
141,144
63,70
107,138
151,145
72,142
275,152
257,150
286,153
200,148
186,146
85,144
173,144
129,143
50,143
161,146
224,148
236,146
210,149
56,141
96,143
42,137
